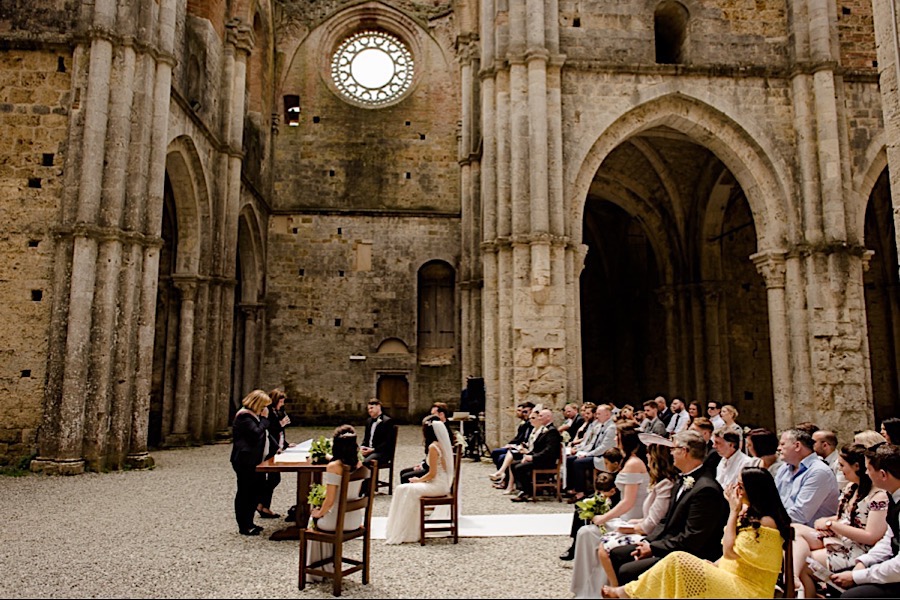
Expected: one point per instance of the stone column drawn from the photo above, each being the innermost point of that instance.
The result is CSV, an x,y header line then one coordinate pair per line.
x,y
187,287
666,297
771,265
200,359
162,89
250,375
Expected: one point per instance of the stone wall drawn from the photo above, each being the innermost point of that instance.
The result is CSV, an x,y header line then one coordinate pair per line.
x,y
338,286
34,96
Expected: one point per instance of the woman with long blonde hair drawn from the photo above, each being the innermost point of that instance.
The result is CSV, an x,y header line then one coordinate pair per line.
x,y
250,432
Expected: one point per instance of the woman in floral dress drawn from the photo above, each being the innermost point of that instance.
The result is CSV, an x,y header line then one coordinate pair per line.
x,y
861,521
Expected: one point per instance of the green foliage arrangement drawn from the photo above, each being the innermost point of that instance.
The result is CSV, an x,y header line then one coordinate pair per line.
x,y
320,450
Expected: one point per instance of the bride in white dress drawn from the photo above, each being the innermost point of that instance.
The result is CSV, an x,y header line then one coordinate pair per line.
x,y
403,517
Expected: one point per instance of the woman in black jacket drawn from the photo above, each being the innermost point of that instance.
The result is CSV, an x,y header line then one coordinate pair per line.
x,y
278,419
251,446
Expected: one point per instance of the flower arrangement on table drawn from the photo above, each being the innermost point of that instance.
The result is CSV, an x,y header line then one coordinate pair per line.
x,y
320,450
315,499
588,508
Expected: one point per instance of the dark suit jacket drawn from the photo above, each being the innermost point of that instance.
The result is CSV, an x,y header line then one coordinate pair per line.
x,y
384,436
694,522
249,436
577,422
522,433
712,459
665,416
546,449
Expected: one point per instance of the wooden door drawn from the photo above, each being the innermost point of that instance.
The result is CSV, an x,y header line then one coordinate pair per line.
x,y
393,391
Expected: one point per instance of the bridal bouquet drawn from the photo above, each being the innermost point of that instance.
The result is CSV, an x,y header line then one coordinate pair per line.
x,y
589,508
315,499
320,450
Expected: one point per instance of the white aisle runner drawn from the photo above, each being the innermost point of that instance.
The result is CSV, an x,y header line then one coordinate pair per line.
x,y
498,525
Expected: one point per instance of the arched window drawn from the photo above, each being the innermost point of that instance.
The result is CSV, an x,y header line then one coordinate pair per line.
x,y
437,312
671,30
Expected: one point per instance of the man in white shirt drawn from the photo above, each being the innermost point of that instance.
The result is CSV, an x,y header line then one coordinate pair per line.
x,y
680,417
825,445
877,573
727,443
713,408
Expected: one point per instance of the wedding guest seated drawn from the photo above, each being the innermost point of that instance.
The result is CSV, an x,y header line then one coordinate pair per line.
x,y
693,522
588,575
762,446
346,453
652,423
604,483
663,478
876,573
838,540
752,551
869,438
506,481
730,414
807,486
680,417
589,454
663,411
544,454
728,444
890,429
695,411
704,427
573,420
523,411
807,426
714,412
378,439
825,445
626,413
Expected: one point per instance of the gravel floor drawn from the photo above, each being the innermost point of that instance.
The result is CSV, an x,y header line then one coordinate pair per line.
x,y
169,532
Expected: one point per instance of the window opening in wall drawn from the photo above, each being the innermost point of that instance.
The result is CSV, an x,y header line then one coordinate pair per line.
x,y
292,110
372,68
670,24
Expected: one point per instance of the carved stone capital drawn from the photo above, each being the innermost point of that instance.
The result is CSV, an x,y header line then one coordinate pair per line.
x,y
186,285
239,36
867,259
771,265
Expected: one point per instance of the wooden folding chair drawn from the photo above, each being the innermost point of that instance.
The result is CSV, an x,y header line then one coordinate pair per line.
x,y
786,589
553,478
451,499
388,463
339,536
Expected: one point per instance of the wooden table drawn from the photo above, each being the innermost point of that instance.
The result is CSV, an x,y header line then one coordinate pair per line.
x,y
307,473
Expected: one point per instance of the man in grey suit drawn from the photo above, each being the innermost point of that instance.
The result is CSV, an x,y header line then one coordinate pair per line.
x,y
652,422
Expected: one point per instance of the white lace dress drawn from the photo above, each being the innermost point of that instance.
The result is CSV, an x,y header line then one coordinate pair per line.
x,y
588,576
352,520
403,516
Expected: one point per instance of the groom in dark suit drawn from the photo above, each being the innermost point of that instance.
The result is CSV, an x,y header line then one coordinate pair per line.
x,y
378,441
694,521
546,450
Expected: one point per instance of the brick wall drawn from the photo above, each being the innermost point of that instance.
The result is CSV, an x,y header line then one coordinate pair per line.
x,y
34,100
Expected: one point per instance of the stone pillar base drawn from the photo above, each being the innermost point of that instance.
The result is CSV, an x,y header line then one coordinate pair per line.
x,y
223,436
51,466
141,460
177,440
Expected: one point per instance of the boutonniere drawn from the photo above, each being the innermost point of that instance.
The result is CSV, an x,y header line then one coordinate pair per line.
x,y
687,483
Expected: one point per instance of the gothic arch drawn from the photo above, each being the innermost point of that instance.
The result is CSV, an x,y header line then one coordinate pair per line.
x,y
874,164
251,255
747,155
192,206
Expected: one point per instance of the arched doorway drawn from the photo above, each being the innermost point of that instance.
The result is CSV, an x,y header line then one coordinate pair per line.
x,y
882,290
670,300
393,391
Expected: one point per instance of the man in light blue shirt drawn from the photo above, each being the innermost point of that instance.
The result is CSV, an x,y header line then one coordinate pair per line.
x,y
807,485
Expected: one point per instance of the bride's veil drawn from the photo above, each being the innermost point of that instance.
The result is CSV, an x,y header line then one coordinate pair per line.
x,y
443,438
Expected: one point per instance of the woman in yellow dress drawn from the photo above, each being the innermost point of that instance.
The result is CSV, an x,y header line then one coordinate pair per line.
x,y
752,551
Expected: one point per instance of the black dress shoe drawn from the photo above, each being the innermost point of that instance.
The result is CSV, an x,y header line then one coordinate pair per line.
x,y
255,530
268,515
568,554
